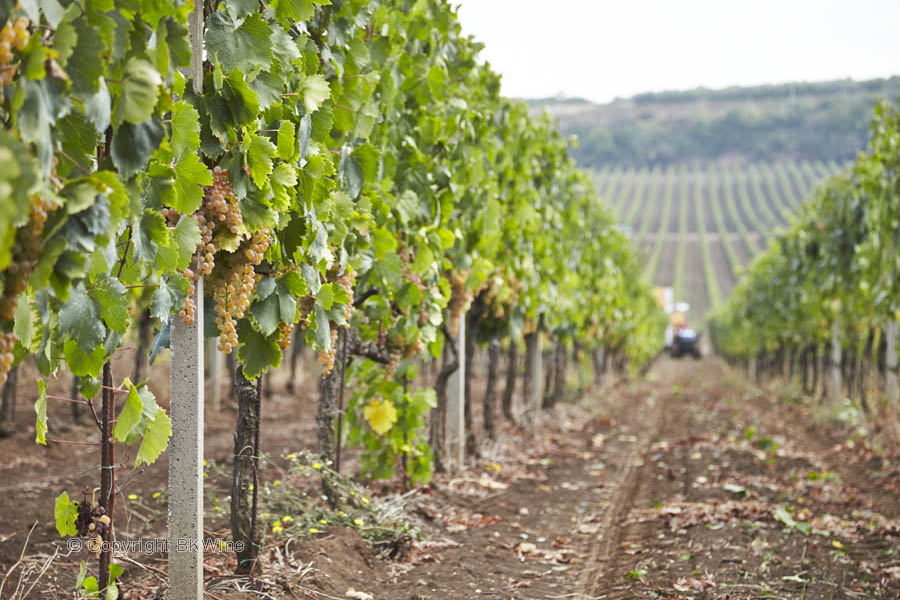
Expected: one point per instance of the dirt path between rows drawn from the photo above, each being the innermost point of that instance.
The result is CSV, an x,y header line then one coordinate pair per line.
x,y
689,483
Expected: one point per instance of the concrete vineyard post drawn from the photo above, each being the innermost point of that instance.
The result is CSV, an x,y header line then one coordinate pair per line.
x,y
186,410
891,363
537,370
456,423
835,384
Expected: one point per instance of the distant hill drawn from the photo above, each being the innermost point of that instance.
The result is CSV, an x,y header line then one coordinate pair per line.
x,y
825,121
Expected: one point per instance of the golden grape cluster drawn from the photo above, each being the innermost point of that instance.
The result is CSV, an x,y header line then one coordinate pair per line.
x,y
25,254
346,282
220,205
13,35
285,330
326,357
393,362
460,299
232,293
219,209
7,343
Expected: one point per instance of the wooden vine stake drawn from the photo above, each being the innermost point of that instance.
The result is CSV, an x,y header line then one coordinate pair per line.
x,y
456,399
186,411
107,470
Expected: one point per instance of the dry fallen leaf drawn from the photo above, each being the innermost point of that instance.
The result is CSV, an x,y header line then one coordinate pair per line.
x,y
355,595
588,528
490,484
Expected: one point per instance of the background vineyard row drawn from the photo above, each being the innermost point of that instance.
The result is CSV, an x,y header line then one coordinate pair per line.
x,y
696,228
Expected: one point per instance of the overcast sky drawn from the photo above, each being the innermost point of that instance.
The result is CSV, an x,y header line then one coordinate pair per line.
x,y
601,49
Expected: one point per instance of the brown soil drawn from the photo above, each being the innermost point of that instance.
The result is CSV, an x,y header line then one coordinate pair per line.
x,y
690,483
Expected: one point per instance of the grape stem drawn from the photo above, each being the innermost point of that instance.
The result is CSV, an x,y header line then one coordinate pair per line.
x,y
73,400
71,443
74,162
124,254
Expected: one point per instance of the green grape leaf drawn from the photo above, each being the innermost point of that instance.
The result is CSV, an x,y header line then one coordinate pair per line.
x,y
303,135
266,313
287,142
112,298
351,175
185,128
295,283
190,177
265,287
359,54
140,91
156,438
325,297
187,238
424,259
51,9
89,386
79,319
365,121
134,144
130,415
323,329
119,201
268,87
98,107
283,47
248,47
90,587
238,9
314,91
257,352
80,194
287,304
384,242
23,325
40,409
35,118
65,512
390,269
259,157
407,206
297,10
84,364
311,277
241,99
85,65
171,293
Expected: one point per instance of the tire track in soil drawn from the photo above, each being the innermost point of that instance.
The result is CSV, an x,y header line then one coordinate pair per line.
x,y
640,489
646,421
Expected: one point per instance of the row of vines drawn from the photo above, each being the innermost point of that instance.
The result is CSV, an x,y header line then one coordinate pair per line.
x,y
830,281
347,168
